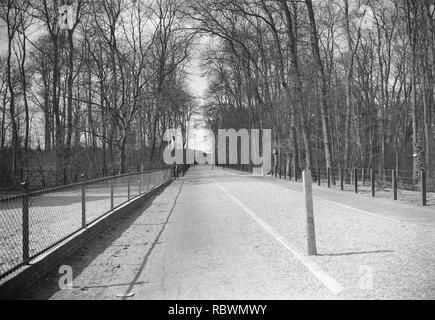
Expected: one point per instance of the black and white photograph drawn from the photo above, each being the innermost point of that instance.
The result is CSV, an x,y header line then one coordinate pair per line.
x,y
218,157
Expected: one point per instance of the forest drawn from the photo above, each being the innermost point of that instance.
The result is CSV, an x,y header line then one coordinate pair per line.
x,y
341,83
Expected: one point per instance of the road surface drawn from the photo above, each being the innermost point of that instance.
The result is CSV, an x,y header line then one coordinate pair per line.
x,y
220,234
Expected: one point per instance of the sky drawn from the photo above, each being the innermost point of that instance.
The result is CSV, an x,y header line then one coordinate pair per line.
x,y
3,39
197,83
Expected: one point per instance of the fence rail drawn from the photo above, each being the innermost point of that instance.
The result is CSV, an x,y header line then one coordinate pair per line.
x,y
49,178
34,222
402,185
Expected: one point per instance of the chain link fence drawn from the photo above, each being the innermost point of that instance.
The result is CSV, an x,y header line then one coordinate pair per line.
x,y
39,178
34,222
417,188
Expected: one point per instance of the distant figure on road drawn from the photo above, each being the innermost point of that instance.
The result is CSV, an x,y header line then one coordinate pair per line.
x,y
275,163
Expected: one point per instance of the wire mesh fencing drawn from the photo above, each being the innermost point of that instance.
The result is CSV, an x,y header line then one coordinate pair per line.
x,y
42,178
413,187
34,222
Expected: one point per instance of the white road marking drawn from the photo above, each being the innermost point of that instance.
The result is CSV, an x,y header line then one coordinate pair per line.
x,y
328,281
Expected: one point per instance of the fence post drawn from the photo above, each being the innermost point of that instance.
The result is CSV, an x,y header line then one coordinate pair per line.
x,y
423,187
373,182
308,192
363,177
296,174
341,179
83,200
394,182
128,184
318,176
153,178
112,183
147,181
25,217
355,179
141,175
328,170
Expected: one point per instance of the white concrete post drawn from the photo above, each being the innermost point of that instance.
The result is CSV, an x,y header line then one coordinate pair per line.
x,y
308,192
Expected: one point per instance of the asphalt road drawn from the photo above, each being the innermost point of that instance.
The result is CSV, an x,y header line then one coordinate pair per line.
x,y
219,234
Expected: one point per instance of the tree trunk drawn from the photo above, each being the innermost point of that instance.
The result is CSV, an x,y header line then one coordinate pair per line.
x,y
15,138
298,82
321,70
349,76
69,98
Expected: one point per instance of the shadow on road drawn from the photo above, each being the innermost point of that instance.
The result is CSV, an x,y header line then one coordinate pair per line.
x,y
353,253
81,259
150,250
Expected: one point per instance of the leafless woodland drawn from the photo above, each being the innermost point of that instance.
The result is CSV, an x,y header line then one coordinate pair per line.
x,y
341,83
